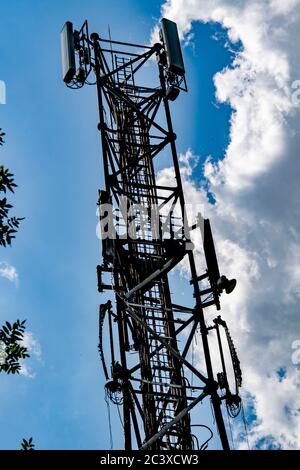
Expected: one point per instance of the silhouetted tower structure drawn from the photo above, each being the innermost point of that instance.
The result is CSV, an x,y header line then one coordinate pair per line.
x,y
146,234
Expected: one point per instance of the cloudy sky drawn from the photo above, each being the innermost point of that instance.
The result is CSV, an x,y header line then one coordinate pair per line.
x,y
256,192
238,135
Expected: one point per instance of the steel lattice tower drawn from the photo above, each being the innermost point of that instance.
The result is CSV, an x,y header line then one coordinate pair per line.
x,y
145,234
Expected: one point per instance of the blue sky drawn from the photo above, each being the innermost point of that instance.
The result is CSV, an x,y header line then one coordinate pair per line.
x,y
52,146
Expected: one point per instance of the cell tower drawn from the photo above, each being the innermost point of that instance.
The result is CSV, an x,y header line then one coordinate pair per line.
x,y
145,235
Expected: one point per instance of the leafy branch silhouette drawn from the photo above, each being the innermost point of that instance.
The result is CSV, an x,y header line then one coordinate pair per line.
x,y
8,225
2,134
11,337
27,445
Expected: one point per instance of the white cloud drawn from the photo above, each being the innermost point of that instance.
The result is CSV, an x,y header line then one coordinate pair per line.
x,y
256,217
32,344
34,350
9,272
